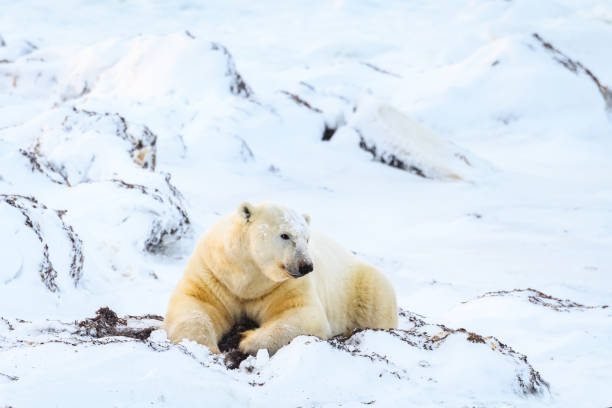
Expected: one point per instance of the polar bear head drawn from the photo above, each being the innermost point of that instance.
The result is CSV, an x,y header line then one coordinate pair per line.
x,y
277,239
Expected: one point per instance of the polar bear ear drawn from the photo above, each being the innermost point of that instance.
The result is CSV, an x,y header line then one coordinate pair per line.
x,y
307,218
245,210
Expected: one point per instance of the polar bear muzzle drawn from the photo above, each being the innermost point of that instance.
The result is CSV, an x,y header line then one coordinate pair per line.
x,y
300,270
305,269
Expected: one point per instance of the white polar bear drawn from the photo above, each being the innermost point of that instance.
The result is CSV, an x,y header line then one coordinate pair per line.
x,y
262,262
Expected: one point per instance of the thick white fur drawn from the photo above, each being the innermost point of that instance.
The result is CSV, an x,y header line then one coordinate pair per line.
x,y
241,267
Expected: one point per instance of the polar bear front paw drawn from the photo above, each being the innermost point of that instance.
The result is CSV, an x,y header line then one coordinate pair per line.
x,y
253,340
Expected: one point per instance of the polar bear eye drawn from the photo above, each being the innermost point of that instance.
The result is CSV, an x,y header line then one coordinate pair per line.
x,y
284,236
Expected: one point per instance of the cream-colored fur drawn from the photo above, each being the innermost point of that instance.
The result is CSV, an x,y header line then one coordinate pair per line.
x,y
242,267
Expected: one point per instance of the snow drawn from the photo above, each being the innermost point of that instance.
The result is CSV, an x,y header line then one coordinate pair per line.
x,y
404,366
129,127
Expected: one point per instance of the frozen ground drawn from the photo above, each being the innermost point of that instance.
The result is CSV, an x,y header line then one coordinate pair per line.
x,y
463,147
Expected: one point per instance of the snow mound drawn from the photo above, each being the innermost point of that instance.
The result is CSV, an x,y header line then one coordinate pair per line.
x,y
554,332
170,221
59,246
76,146
150,67
94,155
403,365
398,141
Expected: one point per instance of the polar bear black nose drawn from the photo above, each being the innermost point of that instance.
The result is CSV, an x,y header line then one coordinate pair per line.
x,y
305,268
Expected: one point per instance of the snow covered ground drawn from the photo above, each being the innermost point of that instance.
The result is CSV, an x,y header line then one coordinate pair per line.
x,y
463,147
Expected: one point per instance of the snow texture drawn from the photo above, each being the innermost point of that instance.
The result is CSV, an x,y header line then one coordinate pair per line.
x,y
462,147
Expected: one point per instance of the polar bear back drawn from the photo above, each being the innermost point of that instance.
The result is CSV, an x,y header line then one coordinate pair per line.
x,y
343,283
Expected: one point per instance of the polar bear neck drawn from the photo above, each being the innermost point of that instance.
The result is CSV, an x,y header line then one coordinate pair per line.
x,y
222,251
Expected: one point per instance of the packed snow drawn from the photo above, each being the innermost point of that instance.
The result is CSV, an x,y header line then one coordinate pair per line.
x,y
462,147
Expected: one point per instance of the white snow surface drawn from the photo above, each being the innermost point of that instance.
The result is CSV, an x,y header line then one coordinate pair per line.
x,y
127,128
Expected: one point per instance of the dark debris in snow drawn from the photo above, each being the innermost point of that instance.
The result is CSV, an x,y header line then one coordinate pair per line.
x,y
380,70
9,377
328,133
539,298
107,327
387,158
107,323
29,206
38,163
238,86
230,341
164,230
143,141
576,67
529,380
298,100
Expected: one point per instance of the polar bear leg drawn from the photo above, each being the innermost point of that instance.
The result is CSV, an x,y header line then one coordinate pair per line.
x,y
193,319
373,303
284,327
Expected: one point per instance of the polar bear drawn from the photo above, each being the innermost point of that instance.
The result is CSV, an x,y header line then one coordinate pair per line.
x,y
264,263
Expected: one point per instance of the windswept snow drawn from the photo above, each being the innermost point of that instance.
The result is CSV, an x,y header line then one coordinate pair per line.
x,y
462,147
